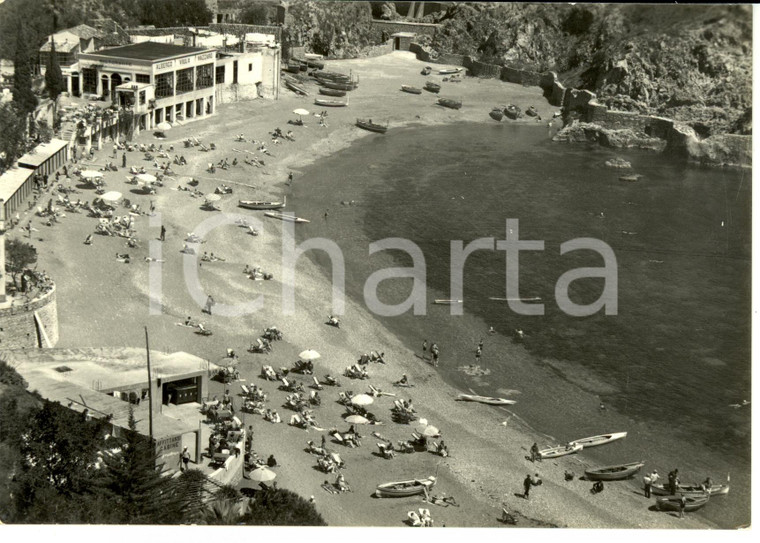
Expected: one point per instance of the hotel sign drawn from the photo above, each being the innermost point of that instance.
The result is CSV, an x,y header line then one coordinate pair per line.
x,y
164,65
205,56
168,445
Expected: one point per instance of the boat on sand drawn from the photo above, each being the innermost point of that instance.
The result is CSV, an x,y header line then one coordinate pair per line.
x,y
260,204
560,450
659,489
410,89
401,489
447,71
372,127
602,439
432,87
450,103
331,92
614,473
496,114
330,103
673,503
283,217
484,399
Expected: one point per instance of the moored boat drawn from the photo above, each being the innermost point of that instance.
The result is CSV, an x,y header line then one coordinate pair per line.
x,y
295,87
331,92
601,439
560,450
410,89
659,489
450,103
512,111
339,85
531,112
447,71
401,489
332,76
441,301
283,217
369,125
496,114
426,70
432,87
484,399
673,503
330,103
614,473
259,204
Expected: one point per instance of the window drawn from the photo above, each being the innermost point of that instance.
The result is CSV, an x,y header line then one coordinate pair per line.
x,y
164,85
185,80
89,81
204,76
142,78
220,75
142,98
234,72
250,67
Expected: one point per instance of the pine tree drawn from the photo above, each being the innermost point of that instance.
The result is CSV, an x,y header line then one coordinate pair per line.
x,y
54,82
23,97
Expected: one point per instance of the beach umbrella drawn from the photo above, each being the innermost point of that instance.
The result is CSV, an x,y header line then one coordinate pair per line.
x,y
309,354
262,475
427,430
90,174
164,126
146,177
356,419
112,196
213,197
300,111
362,399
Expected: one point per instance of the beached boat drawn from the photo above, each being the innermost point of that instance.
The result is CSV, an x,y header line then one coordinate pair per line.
x,y
316,64
673,503
295,87
339,85
512,111
484,399
450,103
283,217
447,71
531,112
529,299
602,439
402,489
259,204
614,473
432,87
293,67
332,76
560,450
446,302
426,70
331,92
660,489
313,56
496,114
629,178
330,103
372,127
411,90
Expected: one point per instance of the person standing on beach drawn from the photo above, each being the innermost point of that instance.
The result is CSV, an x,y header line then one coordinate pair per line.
x,y
209,304
162,237
648,485
424,348
528,482
477,354
480,344
534,454
682,504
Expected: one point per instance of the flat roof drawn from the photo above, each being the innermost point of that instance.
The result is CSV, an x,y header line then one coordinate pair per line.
x,y
41,153
12,179
111,368
403,35
149,50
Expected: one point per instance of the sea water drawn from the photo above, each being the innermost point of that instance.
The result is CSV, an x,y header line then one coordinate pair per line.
x,y
673,358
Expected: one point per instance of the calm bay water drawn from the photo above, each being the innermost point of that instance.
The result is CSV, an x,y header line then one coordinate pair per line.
x,y
674,357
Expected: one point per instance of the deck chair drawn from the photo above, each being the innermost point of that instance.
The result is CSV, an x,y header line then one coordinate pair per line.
x,y
245,390
285,383
317,385
414,518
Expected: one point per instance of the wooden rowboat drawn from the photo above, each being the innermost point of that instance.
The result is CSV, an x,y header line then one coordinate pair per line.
x,y
446,302
614,473
450,103
561,450
258,204
629,178
331,92
512,111
372,127
484,399
602,439
337,85
447,71
295,87
432,87
496,114
283,217
330,103
673,503
659,489
402,489
411,90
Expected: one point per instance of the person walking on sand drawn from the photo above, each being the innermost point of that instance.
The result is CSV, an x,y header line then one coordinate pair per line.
x,y
290,178
478,352
424,348
648,485
480,344
124,160
527,483
682,506
162,237
534,453
209,304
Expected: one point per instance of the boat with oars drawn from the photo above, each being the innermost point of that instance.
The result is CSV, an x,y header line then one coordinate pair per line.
x,y
283,217
560,450
331,92
673,503
660,489
367,124
331,103
410,89
450,103
403,489
614,473
432,87
260,204
484,399
602,439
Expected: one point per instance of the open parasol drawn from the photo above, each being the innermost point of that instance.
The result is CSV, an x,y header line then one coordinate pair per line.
x,y
427,430
146,177
164,126
90,174
262,475
362,399
300,111
309,354
111,196
213,197
356,419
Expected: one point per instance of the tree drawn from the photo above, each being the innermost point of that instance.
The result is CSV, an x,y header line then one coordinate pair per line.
x,y
167,13
281,508
23,97
13,141
18,257
255,14
54,82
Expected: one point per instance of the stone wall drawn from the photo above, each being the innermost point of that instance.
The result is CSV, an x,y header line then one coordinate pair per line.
x,y
377,50
20,328
391,27
232,471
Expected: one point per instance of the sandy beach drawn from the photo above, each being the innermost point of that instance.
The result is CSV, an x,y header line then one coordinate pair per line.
x,y
104,302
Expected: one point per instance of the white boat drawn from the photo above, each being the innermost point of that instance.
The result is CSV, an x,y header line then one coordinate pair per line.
x,y
561,450
531,299
484,399
447,302
602,439
283,217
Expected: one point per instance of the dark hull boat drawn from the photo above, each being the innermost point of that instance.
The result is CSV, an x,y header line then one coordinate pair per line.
x,y
614,473
331,92
512,112
411,90
496,114
339,85
673,503
369,125
448,102
432,87
426,70
295,87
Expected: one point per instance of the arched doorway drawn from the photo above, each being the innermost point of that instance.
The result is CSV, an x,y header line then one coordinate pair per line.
x,y
115,82
75,84
105,85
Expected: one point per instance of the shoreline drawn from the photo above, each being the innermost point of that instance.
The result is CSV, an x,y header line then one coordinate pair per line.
x,y
469,473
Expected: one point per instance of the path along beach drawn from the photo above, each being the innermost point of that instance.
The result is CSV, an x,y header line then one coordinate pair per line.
x,y
104,302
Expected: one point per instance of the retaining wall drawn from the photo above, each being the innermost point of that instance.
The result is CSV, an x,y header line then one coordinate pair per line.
x,y
20,330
